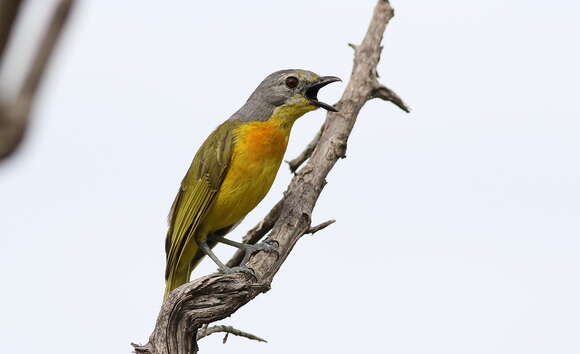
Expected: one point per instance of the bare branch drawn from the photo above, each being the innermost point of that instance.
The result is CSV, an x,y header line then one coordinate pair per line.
x,y
14,114
228,330
295,163
319,227
387,94
205,331
216,296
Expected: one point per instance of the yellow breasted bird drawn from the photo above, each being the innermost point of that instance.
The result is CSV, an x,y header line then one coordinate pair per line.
x,y
234,169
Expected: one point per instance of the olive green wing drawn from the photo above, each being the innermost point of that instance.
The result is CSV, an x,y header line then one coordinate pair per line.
x,y
197,192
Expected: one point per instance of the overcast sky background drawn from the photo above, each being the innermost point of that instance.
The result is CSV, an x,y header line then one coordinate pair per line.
x,y
457,226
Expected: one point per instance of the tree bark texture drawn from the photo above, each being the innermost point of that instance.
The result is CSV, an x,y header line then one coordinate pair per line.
x,y
217,296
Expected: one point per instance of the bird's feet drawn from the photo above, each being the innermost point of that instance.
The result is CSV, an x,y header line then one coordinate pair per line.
x,y
262,246
249,249
265,246
239,269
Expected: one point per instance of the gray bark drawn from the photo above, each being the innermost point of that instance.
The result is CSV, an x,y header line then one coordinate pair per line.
x,y
217,296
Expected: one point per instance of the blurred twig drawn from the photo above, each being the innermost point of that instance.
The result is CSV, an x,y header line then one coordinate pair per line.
x,y
15,112
9,10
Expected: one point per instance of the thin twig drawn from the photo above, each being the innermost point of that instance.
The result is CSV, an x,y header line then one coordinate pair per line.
x,y
228,330
15,114
44,52
385,93
319,227
9,10
295,163
202,332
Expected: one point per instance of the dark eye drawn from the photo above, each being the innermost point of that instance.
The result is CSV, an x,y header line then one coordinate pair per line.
x,y
291,82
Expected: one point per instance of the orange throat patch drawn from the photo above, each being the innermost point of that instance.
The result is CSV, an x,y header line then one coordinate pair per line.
x,y
263,141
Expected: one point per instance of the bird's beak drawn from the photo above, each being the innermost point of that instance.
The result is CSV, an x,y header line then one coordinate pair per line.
x,y
312,91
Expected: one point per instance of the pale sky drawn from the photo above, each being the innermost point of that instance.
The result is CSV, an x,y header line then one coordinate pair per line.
x,y
457,226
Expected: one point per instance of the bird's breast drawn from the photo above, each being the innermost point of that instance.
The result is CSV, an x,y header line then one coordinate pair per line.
x,y
259,148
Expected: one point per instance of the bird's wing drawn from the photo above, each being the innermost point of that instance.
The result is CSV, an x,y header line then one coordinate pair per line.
x,y
197,192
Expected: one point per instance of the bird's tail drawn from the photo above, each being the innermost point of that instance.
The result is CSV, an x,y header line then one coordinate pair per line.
x,y
179,273
180,276
176,278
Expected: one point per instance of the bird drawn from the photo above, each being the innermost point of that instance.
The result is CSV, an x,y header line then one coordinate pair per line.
x,y
233,171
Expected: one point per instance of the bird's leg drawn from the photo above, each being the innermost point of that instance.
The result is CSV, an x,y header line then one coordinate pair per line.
x,y
222,267
208,252
248,248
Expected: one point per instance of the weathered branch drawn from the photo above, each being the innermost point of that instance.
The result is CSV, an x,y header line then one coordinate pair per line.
x,y
216,296
385,93
378,91
204,332
319,227
295,163
15,113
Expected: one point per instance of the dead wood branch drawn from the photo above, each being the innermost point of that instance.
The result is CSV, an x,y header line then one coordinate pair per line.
x,y
319,227
206,331
216,296
202,333
387,94
295,163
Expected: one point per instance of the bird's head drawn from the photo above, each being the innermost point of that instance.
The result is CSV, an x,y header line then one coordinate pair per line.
x,y
289,93
295,88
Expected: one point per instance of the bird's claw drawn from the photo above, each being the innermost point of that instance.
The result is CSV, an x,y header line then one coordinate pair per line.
x,y
263,246
239,269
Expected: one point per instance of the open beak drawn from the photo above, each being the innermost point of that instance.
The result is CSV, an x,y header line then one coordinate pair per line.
x,y
312,91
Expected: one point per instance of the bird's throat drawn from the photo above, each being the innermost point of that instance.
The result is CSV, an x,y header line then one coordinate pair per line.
x,y
291,111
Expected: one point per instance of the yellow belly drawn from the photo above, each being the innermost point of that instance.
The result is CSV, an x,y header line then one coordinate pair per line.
x,y
258,152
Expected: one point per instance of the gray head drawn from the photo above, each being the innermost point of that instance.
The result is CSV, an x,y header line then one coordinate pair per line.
x,y
293,90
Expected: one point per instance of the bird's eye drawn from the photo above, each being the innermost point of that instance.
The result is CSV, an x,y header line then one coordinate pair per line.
x,y
291,82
